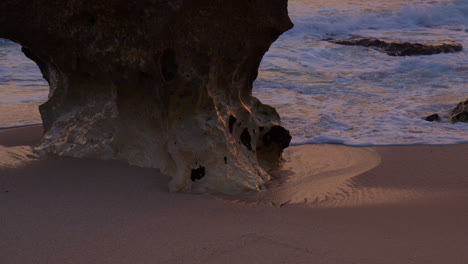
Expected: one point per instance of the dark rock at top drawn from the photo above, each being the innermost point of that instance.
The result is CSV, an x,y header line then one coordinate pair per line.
x,y
154,82
394,48
460,112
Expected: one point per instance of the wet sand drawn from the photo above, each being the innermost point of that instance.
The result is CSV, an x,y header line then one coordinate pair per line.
x,y
399,204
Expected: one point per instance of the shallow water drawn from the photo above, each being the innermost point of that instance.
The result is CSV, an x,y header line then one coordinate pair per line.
x,y
327,93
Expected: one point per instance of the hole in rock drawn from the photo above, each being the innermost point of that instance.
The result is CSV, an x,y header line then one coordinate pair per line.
x,y
22,87
278,135
245,139
232,120
197,173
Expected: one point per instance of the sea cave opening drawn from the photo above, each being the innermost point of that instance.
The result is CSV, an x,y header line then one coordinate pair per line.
x,y
22,87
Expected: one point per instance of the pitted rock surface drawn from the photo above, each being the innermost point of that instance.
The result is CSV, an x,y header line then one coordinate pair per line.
x,y
156,83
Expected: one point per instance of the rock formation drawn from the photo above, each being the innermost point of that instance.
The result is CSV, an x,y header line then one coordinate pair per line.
x,y
394,48
460,112
432,118
158,83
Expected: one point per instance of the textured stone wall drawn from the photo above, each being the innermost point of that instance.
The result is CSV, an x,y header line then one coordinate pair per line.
x,y
158,83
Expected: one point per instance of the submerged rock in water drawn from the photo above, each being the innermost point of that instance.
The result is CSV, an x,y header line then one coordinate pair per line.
x,y
395,48
162,83
432,118
460,112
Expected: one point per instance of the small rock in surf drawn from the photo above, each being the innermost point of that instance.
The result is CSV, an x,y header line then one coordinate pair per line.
x,y
432,118
397,48
460,112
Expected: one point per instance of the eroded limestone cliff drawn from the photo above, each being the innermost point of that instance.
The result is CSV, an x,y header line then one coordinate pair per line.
x,y
158,83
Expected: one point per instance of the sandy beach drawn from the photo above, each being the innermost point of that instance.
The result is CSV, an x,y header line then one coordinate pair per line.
x,y
329,204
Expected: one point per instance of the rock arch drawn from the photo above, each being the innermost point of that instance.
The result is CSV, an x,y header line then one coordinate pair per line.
x,y
18,101
158,83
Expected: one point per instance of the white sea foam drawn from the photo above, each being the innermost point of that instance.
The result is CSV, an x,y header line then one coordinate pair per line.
x,y
328,93
403,16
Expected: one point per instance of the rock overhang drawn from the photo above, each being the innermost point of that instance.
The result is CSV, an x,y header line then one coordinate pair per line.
x,y
157,83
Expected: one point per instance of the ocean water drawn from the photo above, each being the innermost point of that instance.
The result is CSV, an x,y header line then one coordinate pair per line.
x,y
328,93
22,88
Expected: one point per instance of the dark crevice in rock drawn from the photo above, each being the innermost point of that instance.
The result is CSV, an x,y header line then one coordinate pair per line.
x,y
395,48
197,174
245,139
168,65
272,144
232,121
278,135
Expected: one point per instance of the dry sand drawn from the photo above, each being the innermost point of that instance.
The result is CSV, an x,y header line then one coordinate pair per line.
x,y
402,204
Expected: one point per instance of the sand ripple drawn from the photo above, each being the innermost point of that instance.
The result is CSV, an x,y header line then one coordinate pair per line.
x,y
316,175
